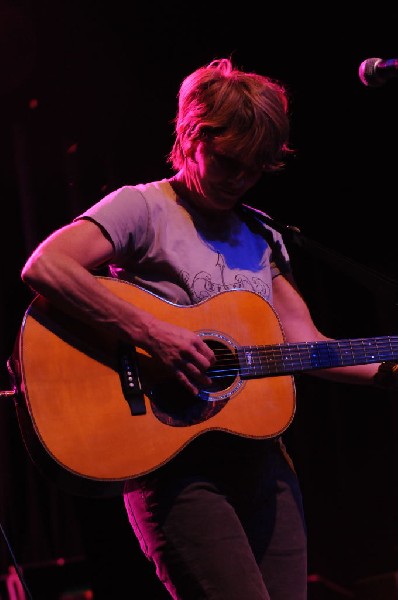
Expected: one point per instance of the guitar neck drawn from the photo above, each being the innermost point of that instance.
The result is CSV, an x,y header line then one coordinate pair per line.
x,y
287,359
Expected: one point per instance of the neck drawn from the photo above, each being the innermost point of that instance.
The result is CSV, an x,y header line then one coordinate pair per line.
x,y
186,189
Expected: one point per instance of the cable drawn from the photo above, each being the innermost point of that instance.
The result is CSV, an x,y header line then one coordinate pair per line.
x,y
16,566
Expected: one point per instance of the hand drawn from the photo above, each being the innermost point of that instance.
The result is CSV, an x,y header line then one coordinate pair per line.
x,y
386,377
184,353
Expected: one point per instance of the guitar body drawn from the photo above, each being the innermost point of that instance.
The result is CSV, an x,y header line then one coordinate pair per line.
x,y
85,429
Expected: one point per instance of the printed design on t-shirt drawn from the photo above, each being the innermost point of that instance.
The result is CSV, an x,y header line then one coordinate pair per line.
x,y
204,285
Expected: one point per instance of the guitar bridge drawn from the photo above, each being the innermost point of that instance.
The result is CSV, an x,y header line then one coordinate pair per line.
x,y
130,380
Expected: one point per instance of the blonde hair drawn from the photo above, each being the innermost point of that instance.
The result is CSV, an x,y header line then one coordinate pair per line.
x,y
246,113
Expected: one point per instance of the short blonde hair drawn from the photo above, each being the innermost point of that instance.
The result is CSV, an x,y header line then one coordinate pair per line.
x,y
245,113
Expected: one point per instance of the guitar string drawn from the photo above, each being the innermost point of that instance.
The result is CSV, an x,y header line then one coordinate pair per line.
x,y
305,354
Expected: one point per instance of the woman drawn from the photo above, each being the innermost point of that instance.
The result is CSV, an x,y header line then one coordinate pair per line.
x,y
222,518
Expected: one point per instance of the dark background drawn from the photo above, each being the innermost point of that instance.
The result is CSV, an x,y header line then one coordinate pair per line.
x,y
87,99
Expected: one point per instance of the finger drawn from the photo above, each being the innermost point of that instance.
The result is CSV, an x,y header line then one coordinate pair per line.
x,y
205,350
186,382
196,375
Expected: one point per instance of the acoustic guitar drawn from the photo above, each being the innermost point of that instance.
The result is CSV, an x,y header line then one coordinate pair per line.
x,y
94,413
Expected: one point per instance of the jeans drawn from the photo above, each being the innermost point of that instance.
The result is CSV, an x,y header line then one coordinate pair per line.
x,y
223,520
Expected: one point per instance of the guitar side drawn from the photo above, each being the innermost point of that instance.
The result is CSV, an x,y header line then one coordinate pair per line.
x,y
75,418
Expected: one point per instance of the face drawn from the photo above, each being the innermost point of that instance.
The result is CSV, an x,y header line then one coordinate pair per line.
x,y
219,181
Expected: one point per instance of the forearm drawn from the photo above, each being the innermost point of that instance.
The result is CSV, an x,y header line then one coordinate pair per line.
x,y
73,288
357,374
299,326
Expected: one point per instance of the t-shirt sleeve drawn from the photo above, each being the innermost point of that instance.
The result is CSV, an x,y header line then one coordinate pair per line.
x,y
123,217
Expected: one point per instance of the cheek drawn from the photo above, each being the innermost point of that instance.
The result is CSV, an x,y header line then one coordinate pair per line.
x,y
205,165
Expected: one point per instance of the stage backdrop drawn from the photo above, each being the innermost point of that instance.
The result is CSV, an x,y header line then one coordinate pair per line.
x,y
87,101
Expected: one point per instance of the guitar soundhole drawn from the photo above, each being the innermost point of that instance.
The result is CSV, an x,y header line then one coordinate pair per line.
x,y
174,406
224,372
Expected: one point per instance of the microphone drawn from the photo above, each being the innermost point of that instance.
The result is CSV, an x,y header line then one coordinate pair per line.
x,y
374,72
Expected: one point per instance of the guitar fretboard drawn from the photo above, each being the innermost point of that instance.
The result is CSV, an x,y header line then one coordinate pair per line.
x,y
261,361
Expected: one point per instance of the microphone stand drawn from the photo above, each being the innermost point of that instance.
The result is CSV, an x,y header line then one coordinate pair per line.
x,y
376,282
370,278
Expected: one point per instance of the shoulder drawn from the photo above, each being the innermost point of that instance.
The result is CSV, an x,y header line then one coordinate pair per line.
x,y
127,198
150,191
263,222
272,232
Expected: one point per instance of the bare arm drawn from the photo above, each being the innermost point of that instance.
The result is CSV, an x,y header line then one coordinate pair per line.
x,y
298,326
60,269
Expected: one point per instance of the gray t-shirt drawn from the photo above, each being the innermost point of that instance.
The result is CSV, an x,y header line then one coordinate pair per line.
x,y
164,245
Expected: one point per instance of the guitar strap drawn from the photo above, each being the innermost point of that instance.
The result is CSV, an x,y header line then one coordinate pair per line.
x,y
256,218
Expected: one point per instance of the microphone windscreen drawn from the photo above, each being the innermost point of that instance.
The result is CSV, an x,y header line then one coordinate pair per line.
x,y
367,72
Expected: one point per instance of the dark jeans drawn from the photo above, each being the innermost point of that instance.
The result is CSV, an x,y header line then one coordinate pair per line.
x,y
223,520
